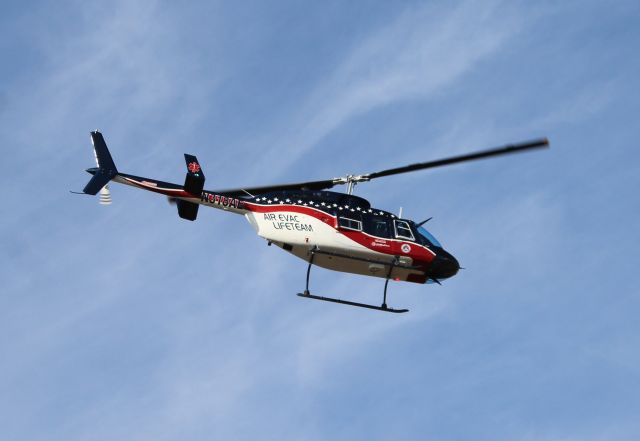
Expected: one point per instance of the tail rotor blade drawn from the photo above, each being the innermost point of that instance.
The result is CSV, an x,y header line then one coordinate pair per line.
x,y
105,195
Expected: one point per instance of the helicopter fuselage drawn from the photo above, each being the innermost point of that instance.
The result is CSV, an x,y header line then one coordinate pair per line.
x,y
353,236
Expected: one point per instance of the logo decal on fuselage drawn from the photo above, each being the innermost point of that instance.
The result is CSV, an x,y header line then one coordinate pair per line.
x,y
406,248
284,221
380,243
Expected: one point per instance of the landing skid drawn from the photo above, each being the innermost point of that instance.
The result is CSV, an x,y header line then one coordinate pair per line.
x,y
383,307
347,302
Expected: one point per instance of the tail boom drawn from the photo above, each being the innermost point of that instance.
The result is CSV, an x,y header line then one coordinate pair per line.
x,y
188,196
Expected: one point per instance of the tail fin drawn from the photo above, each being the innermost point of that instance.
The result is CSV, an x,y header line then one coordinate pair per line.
x,y
103,157
106,169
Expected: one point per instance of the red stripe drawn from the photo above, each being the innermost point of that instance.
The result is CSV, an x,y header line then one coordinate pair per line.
x,y
421,255
165,191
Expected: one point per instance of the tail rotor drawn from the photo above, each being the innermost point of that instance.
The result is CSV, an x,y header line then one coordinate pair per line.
x,y
105,195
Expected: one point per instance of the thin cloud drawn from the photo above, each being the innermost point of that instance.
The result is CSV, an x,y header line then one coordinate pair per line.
x,y
170,331
420,53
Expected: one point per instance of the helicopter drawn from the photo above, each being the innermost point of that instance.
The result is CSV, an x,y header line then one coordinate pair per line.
x,y
333,230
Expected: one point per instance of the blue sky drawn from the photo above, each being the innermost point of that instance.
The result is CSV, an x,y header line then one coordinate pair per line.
x,y
126,322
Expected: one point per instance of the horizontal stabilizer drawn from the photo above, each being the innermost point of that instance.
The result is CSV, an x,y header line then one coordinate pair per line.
x,y
187,210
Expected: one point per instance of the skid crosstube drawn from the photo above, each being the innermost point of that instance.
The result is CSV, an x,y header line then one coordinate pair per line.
x,y
347,302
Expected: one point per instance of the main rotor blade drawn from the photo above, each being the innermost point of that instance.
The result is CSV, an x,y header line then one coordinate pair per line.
x,y
330,183
508,149
311,185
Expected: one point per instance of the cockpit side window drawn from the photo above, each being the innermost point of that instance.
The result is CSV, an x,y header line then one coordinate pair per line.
x,y
376,226
403,230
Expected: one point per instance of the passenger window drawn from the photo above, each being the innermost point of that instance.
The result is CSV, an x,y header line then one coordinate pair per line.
x,y
350,224
403,230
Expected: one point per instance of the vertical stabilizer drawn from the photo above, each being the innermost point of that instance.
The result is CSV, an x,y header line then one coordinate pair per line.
x,y
105,171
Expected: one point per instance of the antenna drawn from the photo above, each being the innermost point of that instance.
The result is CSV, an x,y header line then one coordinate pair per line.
x,y
400,213
351,185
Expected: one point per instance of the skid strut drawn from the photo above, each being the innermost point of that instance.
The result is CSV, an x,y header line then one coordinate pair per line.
x,y
383,307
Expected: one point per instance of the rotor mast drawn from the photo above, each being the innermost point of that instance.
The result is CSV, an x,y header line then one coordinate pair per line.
x,y
351,181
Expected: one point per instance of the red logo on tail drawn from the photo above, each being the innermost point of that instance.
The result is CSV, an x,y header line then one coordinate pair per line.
x,y
193,167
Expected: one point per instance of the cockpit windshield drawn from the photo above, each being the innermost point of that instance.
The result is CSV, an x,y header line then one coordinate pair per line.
x,y
430,237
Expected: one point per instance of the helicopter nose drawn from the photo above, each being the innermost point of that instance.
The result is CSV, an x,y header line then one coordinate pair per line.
x,y
444,265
